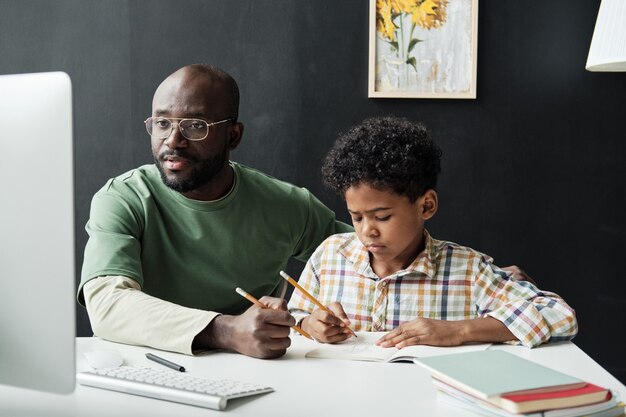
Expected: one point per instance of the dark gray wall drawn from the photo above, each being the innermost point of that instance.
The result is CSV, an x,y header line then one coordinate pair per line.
x,y
534,170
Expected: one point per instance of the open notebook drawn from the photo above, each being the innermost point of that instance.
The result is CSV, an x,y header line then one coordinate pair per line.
x,y
363,348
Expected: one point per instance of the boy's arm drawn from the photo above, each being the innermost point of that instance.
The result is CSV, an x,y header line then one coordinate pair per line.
x,y
299,306
510,310
434,332
323,326
531,315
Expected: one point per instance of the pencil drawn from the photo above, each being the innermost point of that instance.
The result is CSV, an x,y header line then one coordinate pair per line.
x,y
260,304
309,296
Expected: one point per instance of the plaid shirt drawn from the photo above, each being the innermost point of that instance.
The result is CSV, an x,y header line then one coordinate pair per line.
x,y
445,282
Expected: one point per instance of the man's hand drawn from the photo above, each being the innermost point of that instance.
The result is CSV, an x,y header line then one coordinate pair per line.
x,y
328,328
424,332
518,274
258,332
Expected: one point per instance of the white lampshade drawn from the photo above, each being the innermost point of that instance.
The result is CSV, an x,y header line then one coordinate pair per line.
x,y
608,46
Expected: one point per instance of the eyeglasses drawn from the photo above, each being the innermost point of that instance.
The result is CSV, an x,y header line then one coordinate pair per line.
x,y
192,129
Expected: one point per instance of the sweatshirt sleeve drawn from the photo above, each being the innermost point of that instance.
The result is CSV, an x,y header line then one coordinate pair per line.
x,y
119,311
320,224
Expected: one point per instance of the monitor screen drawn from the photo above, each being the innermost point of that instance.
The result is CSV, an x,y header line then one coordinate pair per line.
x,y
37,304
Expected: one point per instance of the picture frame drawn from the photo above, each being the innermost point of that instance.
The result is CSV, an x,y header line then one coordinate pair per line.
x,y
423,49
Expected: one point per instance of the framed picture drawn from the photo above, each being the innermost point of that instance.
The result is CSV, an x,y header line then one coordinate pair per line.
x,y
423,48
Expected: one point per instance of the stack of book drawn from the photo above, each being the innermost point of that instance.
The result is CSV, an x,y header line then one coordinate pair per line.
x,y
498,383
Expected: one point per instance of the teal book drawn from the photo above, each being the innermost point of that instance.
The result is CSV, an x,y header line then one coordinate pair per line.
x,y
490,373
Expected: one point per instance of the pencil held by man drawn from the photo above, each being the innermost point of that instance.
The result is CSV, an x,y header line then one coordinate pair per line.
x,y
261,305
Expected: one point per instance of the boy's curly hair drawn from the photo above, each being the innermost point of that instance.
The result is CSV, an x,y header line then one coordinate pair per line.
x,y
387,153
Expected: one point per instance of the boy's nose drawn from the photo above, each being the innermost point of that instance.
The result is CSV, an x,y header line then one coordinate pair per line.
x,y
369,229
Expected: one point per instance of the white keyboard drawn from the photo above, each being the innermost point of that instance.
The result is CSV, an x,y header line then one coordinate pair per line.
x,y
164,384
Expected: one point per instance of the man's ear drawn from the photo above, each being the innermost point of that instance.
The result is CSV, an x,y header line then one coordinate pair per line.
x,y
429,204
235,133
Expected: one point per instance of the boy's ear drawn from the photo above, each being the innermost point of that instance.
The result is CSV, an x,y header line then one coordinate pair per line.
x,y
429,204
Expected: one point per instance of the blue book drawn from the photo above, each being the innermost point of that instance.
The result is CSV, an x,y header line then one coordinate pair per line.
x,y
491,373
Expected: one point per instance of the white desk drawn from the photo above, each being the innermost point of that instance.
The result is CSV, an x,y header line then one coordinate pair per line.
x,y
317,387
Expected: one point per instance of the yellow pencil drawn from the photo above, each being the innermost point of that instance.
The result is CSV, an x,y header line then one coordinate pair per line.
x,y
260,304
309,296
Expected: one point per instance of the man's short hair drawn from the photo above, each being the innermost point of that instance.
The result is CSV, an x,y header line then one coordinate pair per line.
x,y
387,153
226,80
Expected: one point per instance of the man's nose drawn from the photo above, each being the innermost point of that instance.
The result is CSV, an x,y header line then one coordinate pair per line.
x,y
176,138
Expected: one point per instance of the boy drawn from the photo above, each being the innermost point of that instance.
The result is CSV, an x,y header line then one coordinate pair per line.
x,y
392,275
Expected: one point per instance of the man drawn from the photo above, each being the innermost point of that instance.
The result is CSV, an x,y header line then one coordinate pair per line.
x,y
170,242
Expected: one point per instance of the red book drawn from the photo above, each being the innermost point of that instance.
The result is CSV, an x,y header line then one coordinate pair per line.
x,y
525,403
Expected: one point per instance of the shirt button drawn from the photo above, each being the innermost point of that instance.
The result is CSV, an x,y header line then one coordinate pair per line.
x,y
383,284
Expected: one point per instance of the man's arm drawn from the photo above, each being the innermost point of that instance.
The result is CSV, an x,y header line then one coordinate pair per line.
x,y
518,274
321,223
121,312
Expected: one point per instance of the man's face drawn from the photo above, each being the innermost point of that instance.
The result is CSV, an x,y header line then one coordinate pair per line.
x,y
186,165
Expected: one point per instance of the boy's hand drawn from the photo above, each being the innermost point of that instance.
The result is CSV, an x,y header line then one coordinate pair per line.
x,y
446,333
424,332
325,327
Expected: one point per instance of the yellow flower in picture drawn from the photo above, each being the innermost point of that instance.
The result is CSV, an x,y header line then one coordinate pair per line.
x,y
384,20
429,14
403,6
396,21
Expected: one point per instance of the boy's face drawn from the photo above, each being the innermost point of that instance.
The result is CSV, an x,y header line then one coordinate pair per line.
x,y
389,225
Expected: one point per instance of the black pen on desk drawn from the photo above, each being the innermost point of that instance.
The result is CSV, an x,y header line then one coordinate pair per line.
x,y
165,362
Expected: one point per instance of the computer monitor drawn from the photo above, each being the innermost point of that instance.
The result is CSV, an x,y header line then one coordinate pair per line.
x,y
37,304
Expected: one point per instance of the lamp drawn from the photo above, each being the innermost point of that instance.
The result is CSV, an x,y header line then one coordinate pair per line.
x,y
608,45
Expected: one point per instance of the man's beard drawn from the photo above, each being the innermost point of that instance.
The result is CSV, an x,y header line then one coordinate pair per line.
x,y
198,177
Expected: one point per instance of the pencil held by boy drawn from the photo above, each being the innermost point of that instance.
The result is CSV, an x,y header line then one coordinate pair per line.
x,y
391,275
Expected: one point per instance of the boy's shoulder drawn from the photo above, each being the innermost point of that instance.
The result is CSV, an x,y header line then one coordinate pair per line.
x,y
438,249
340,240
439,252
341,250
346,245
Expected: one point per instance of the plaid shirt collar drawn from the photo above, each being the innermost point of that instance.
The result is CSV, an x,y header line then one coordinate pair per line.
x,y
355,252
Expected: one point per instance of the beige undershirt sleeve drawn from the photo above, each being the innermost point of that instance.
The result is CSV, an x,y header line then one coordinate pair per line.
x,y
119,311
